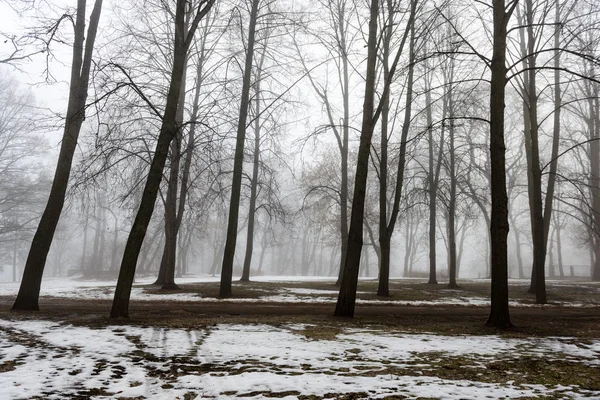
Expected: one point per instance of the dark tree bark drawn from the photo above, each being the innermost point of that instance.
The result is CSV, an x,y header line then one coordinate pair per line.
x,y
255,167
594,148
167,268
29,290
538,233
499,314
169,129
386,228
166,274
384,239
452,258
347,295
433,178
236,185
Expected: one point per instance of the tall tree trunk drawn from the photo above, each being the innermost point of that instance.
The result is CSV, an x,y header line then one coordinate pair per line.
x,y
102,252
86,223
29,290
407,247
461,246
432,192
347,295
254,182
166,275
191,143
169,129
170,250
115,244
517,235
433,178
539,237
236,185
344,147
387,229
594,128
556,127
556,218
14,260
527,129
539,234
499,313
452,175
94,267
551,272
384,238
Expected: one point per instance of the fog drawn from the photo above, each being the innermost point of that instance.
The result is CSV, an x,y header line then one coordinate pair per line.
x,y
305,106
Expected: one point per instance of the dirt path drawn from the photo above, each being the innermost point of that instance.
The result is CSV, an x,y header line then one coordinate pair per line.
x,y
529,321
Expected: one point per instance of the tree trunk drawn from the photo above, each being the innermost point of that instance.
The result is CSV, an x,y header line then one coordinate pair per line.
x,y
432,192
169,129
499,314
383,288
347,295
115,244
387,229
254,183
452,175
551,272
433,178
14,260
518,249
85,239
236,185
407,247
170,250
166,275
594,128
557,226
94,267
29,290
102,252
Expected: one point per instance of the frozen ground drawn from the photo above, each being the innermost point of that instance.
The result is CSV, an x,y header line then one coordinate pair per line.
x,y
171,351
43,359
104,290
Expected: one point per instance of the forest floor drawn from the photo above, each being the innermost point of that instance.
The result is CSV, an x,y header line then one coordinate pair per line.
x,y
278,339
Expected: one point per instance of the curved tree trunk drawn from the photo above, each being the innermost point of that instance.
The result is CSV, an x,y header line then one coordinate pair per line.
x,y
169,129
29,290
347,295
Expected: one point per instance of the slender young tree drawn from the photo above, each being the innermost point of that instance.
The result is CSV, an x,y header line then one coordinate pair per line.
x,y
338,41
433,175
174,208
29,291
238,163
386,228
452,258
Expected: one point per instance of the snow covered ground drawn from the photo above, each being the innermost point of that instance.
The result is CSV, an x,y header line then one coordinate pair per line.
x,y
55,361
104,290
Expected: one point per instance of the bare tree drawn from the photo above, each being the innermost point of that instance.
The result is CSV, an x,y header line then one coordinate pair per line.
x,y
28,296
168,131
